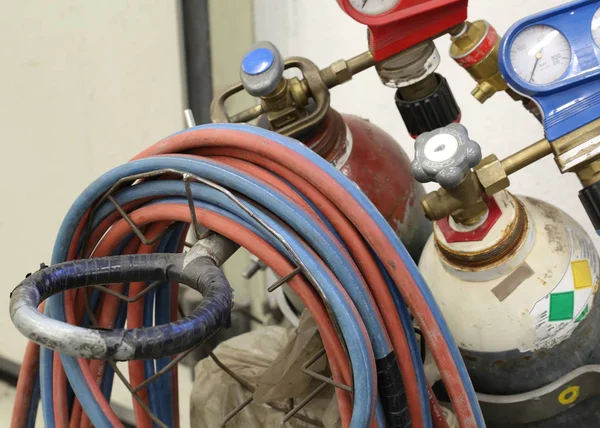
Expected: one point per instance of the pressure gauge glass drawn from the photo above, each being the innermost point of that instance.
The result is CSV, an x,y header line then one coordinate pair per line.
x,y
373,7
596,27
540,54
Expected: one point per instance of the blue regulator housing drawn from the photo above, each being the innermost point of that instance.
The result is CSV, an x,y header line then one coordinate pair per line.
x,y
573,100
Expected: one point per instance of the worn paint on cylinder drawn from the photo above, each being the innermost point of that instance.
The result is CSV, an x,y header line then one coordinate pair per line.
x,y
483,323
380,167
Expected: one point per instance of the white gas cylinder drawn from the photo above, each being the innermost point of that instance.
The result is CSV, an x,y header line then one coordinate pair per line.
x,y
523,279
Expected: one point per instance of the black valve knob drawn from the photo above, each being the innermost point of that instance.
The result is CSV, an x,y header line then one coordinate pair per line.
x,y
590,199
432,110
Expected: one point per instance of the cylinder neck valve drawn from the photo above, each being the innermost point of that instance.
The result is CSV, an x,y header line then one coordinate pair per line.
x,y
293,106
261,73
446,156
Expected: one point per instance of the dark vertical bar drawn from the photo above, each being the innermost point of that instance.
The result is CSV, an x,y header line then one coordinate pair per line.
x,y
196,36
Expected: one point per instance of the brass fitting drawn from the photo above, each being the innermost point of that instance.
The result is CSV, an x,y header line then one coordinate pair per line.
x,y
475,48
285,105
464,202
589,174
491,175
579,152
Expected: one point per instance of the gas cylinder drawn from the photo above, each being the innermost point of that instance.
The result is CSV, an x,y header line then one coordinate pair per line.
x,y
379,166
517,289
359,149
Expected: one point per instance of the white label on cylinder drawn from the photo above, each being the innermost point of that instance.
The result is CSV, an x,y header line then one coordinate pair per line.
x,y
558,313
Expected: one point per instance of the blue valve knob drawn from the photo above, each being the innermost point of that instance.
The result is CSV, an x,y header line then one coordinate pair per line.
x,y
258,61
261,69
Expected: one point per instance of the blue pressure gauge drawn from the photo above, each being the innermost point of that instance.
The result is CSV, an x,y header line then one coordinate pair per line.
x,y
554,58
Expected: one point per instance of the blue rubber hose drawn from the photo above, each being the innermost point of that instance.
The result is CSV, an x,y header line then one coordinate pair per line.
x,y
89,196
99,187
328,249
412,268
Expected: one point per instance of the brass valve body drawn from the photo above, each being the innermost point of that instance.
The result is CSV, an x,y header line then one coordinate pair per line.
x,y
579,152
476,50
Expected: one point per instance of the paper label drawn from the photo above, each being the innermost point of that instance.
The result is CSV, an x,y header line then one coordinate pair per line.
x,y
558,313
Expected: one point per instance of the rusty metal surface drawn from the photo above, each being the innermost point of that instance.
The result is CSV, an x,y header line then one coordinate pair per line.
x,y
513,236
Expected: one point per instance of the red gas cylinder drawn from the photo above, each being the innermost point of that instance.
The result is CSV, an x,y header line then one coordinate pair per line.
x,y
360,150
379,166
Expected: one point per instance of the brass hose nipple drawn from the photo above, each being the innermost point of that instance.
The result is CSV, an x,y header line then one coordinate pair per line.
x,y
475,48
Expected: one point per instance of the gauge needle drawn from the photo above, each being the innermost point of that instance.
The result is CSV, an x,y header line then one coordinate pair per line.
x,y
538,56
364,3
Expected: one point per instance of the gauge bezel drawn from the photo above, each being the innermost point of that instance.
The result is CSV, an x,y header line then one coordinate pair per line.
x,y
541,85
397,2
401,10
557,19
592,30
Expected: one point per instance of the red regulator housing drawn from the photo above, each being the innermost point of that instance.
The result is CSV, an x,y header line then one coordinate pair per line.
x,y
404,23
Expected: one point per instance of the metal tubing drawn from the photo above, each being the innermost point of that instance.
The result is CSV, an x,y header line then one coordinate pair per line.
x,y
216,247
343,70
361,62
527,156
247,115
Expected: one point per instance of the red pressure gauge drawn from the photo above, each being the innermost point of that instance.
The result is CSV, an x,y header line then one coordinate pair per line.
x,y
395,25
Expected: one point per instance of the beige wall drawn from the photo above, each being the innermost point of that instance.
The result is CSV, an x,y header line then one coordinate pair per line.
x,y
232,34
83,87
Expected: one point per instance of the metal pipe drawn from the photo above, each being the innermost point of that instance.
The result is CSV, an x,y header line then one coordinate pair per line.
x,y
247,115
198,65
526,156
361,62
215,246
343,70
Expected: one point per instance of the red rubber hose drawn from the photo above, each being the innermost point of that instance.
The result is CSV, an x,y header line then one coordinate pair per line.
x,y
345,402
264,251
366,262
106,316
267,149
59,391
175,317
135,319
25,384
359,251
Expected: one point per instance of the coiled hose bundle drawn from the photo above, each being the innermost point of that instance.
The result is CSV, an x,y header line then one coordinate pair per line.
x,y
290,208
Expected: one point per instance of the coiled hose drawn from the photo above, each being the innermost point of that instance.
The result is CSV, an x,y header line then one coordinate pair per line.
x,y
293,210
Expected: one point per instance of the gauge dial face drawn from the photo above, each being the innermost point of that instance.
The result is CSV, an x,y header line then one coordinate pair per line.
x,y
540,54
373,7
596,27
